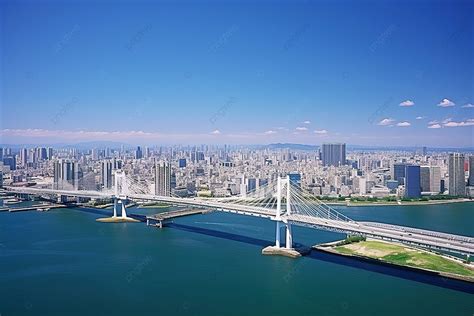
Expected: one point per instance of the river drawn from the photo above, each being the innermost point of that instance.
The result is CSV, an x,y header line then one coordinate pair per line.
x,y
63,262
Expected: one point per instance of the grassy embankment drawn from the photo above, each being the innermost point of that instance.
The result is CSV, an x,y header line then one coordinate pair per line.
x,y
405,256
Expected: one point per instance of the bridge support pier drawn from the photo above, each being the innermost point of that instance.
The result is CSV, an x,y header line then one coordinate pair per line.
x,y
123,216
124,212
289,237
115,208
277,240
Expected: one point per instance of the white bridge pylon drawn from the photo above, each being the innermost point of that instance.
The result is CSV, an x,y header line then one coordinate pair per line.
x,y
282,184
120,193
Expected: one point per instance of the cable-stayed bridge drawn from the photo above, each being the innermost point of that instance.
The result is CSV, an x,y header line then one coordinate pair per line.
x,y
281,201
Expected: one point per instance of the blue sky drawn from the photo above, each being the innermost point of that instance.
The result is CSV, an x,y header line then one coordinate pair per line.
x,y
238,72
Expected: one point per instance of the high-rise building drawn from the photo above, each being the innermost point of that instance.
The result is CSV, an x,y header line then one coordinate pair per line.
x,y
10,161
424,151
41,153
435,179
457,181
138,153
50,153
1,179
333,154
471,170
425,178
162,179
251,184
399,172
94,154
106,174
23,156
362,186
182,163
66,174
116,164
412,181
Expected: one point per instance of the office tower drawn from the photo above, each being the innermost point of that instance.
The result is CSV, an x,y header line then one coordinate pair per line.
x,y
138,153
1,153
424,151
457,182
333,154
117,164
182,163
23,156
106,174
10,161
162,179
1,179
50,153
435,179
94,154
66,174
147,152
425,178
471,170
251,184
399,172
41,153
412,181
362,186
295,179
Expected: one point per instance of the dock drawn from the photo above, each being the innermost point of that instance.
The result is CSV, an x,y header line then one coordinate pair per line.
x,y
160,219
40,208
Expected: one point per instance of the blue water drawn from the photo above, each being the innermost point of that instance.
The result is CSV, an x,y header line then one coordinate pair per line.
x,y
64,262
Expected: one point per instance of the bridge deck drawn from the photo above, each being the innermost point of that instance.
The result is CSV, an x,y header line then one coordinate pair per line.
x,y
431,239
174,214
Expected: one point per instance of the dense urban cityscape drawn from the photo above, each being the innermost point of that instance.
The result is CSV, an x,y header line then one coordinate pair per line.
x,y
277,157
327,171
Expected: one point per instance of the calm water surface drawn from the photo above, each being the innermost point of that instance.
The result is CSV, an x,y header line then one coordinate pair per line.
x,y
63,262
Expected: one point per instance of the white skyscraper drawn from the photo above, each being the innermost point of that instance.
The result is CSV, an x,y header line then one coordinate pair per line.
x,y
435,179
457,181
162,179
106,174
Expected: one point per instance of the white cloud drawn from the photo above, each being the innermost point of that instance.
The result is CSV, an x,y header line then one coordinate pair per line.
x,y
469,122
270,132
307,122
407,103
420,117
386,122
403,124
447,120
434,126
468,105
446,103
433,122
216,132
321,131
301,128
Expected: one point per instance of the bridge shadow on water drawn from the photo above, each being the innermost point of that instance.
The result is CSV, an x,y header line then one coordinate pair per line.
x,y
353,262
406,273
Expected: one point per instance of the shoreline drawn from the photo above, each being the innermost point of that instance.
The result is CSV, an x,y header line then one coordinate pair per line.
x,y
414,203
328,248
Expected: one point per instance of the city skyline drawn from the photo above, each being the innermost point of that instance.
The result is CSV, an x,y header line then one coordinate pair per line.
x,y
236,157
230,74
